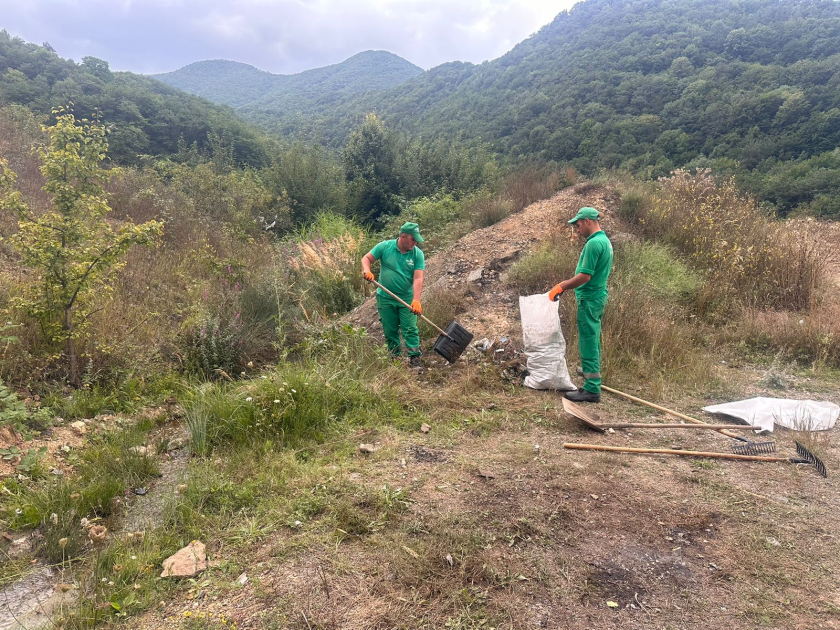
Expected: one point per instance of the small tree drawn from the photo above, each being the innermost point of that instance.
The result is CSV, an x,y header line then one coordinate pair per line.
x,y
370,168
72,248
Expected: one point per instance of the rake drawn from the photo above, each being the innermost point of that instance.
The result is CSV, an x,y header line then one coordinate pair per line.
x,y
805,456
747,447
593,421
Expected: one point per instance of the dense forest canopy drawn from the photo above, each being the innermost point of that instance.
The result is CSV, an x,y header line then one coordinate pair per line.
x,y
750,88
146,117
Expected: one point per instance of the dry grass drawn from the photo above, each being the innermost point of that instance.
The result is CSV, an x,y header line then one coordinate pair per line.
x,y
748,258
811,338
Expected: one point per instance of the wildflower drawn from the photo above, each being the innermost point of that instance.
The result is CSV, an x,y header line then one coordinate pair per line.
x,y
97,533
276,401
118,568
134,557
294,391
62,542
249,399
84,523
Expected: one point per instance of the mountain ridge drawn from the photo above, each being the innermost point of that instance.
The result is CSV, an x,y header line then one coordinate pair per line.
x,y
239,85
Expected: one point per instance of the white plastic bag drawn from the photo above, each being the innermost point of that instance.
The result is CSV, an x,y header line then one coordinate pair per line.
x,y
545,346
802,415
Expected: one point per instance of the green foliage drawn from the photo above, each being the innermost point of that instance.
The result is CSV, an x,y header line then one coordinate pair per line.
x,y
26,462
320,275
310,178
12,409
215,347
241,85
297,400
748,258
743,88
73,249
148,117
370,167
659,271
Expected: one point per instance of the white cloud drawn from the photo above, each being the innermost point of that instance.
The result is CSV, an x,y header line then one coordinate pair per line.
x,y
283,36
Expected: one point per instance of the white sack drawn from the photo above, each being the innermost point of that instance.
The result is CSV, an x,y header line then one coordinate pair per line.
x,y
545,346
802,415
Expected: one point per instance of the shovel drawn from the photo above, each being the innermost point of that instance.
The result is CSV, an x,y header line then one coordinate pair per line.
x,y
451,342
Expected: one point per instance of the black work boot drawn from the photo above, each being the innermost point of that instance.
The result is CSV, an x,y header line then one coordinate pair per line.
x,y
582,395
415,362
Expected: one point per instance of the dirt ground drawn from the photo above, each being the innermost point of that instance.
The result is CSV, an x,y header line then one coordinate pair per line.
x,y
505,528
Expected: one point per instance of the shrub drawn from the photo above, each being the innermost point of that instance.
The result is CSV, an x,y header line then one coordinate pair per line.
x,y
540,270
484,210
635,204
214,347
748,258
530,184
341,376
323,275
811,339
657,269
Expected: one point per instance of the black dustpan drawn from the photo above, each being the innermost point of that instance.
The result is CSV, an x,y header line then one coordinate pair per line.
x,y
452,341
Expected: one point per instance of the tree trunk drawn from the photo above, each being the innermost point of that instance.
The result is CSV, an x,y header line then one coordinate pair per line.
x,y
73,376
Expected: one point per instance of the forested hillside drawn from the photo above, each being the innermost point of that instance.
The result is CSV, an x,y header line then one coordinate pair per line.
x,y
281,96
748,88
145,116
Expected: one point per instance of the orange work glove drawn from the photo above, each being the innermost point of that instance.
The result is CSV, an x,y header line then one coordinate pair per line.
x,y
367,275
555,293
416,308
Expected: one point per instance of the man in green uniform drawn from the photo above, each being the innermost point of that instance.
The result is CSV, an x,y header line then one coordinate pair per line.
x,y
401,272
590,285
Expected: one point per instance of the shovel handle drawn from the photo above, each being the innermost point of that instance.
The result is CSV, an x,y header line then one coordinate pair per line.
x,y
407,305
668,411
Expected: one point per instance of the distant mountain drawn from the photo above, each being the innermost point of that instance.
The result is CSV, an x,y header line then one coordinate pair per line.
x,y
224,82
146,117
745,87
243,86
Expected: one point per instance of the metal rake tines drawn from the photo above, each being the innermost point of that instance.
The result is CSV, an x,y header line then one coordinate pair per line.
x,y
807,457
753,448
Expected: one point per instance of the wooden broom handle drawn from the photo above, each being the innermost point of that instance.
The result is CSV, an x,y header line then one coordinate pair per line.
x,y
406,304
676,425
668,451
666,410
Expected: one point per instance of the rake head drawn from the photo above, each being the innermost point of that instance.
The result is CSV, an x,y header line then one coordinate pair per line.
x,y
753,448
807,457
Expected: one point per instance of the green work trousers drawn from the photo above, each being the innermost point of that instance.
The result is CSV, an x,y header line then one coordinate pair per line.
x,y
397,318
589,315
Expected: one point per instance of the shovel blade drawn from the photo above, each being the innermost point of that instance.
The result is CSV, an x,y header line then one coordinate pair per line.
x,y
451,345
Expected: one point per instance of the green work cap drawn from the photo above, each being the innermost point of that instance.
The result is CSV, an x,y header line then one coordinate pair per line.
x,y
413,229
585,213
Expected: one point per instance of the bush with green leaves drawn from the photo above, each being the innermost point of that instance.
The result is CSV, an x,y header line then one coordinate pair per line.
x,y
214,347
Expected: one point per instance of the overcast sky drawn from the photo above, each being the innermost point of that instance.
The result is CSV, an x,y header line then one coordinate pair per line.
x,y
281,36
